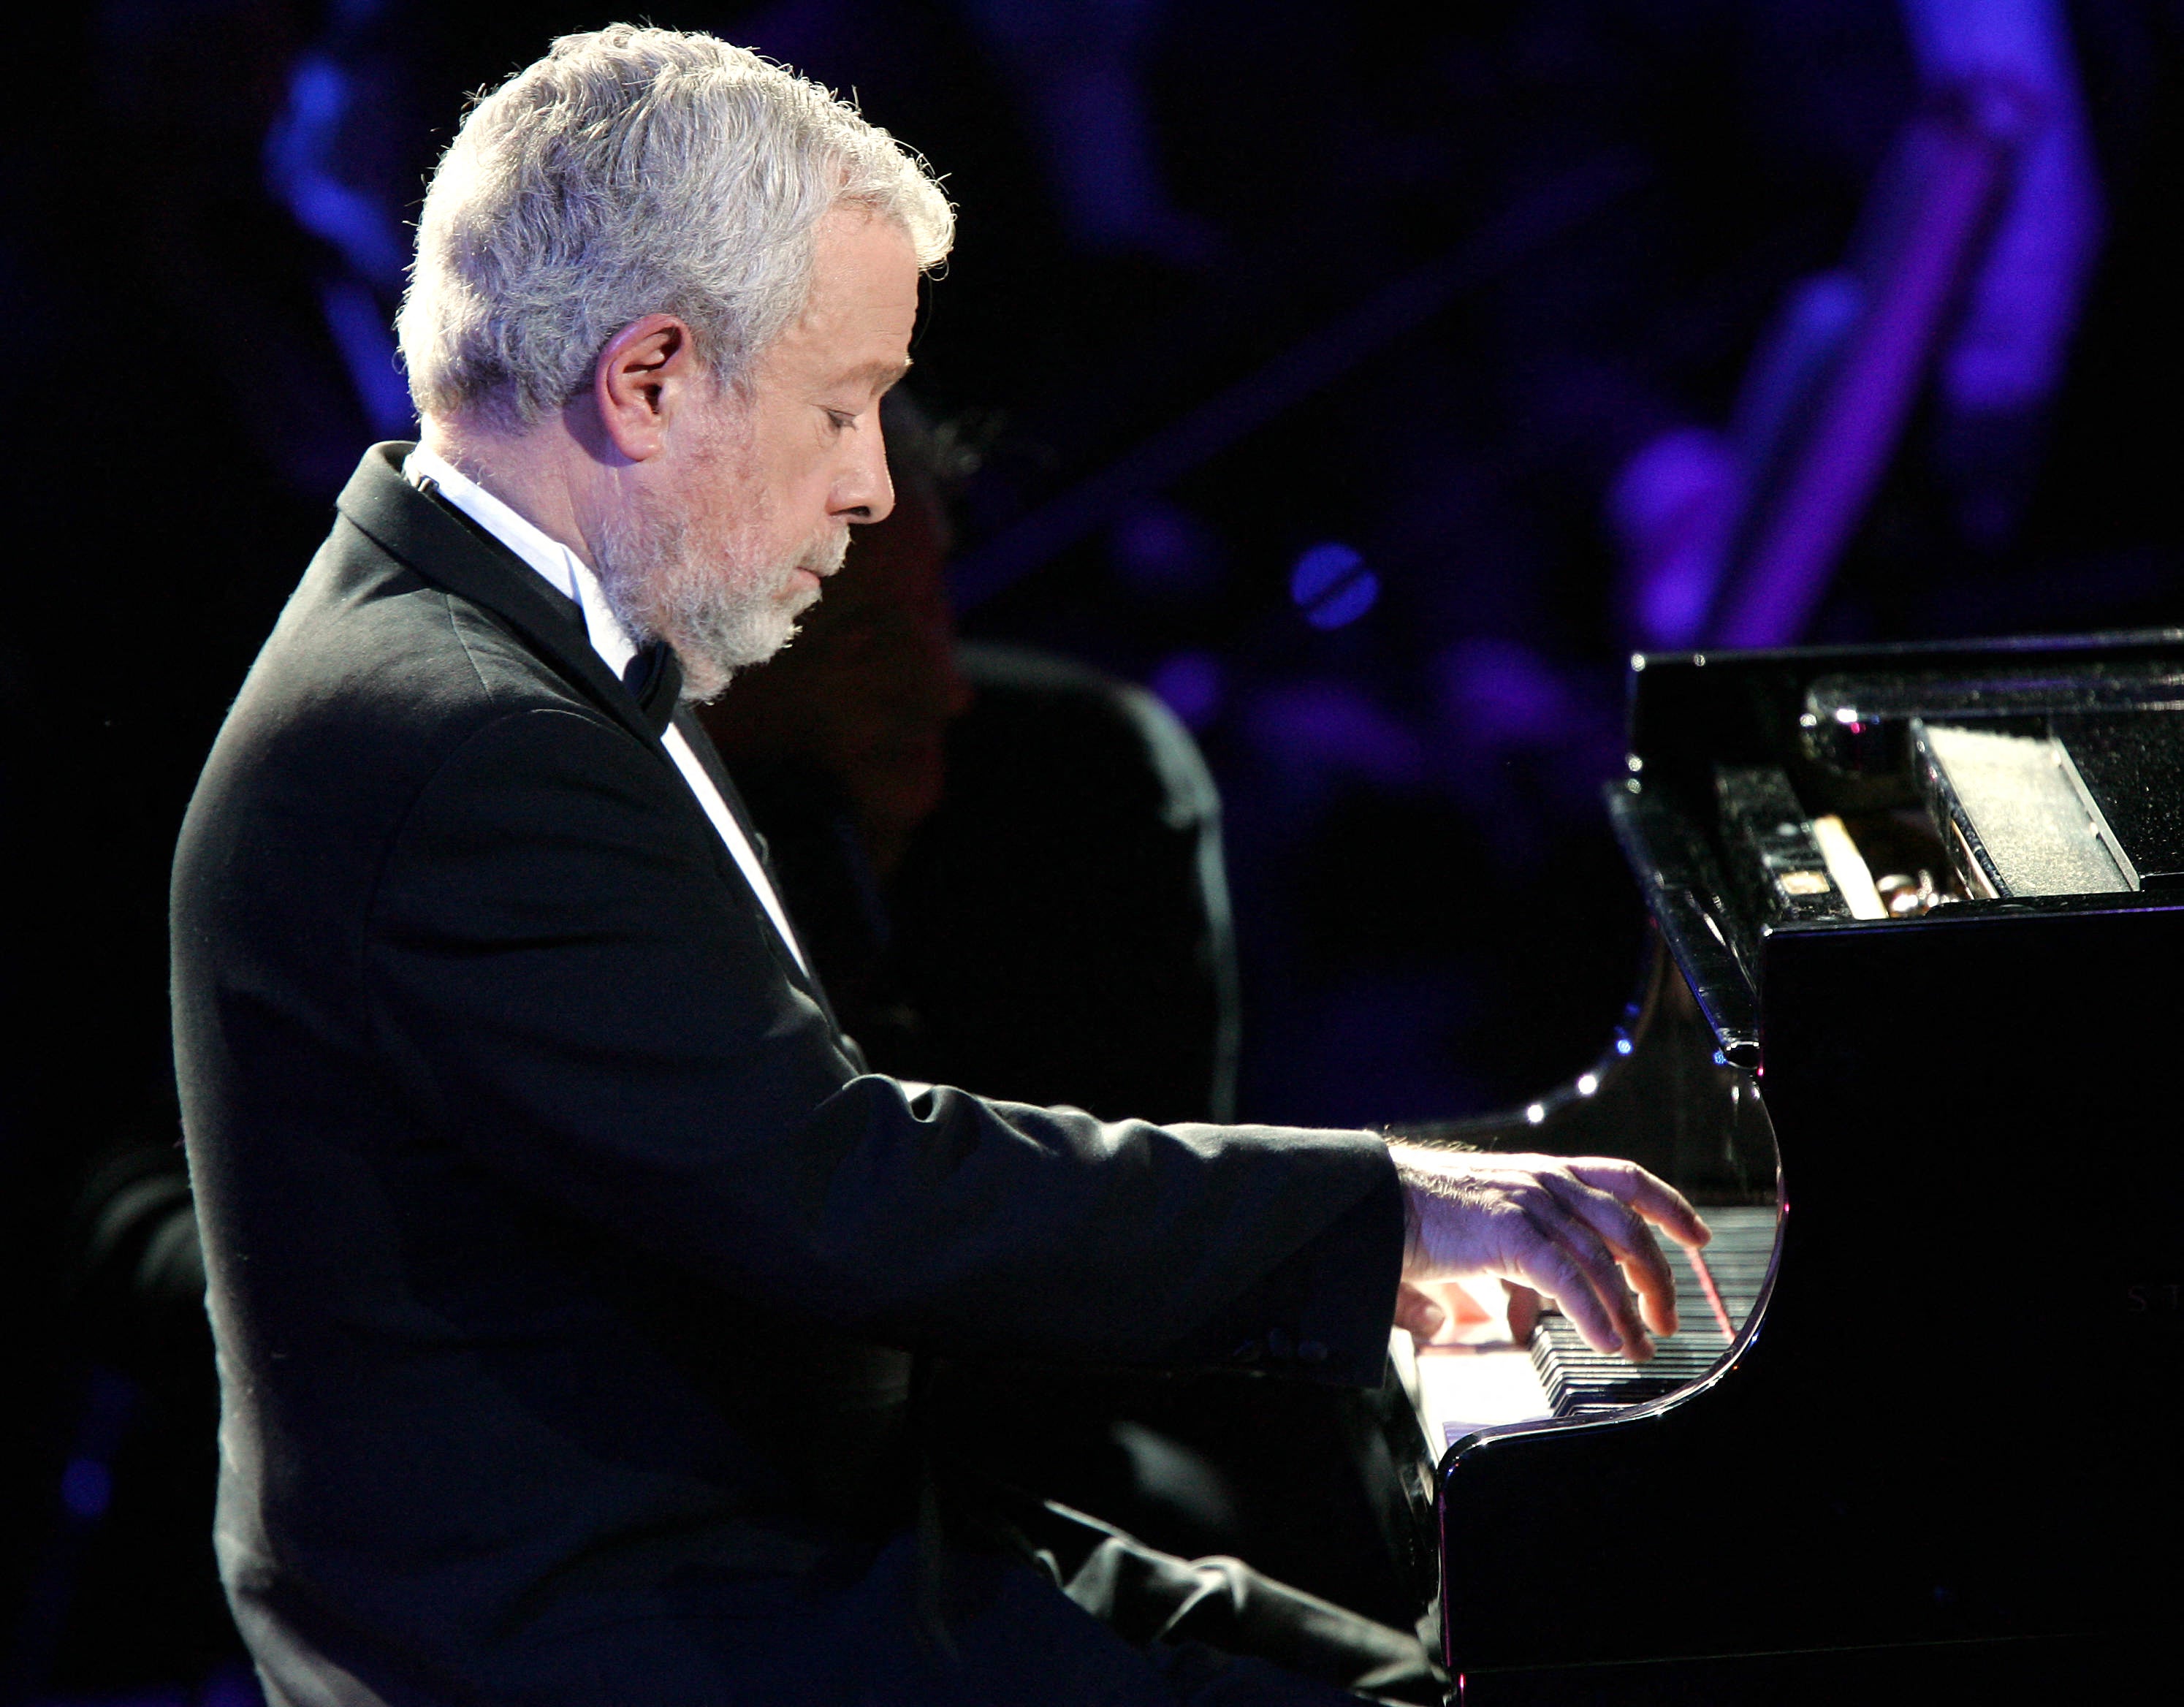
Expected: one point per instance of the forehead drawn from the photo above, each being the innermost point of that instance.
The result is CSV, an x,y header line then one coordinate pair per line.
x,y
857,321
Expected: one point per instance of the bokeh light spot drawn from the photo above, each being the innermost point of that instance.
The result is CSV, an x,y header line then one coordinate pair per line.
x,y
1331,585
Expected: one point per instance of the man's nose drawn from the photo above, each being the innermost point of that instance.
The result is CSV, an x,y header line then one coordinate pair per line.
x,y
865,492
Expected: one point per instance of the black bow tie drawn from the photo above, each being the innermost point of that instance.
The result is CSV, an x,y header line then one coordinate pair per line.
x,y
653,677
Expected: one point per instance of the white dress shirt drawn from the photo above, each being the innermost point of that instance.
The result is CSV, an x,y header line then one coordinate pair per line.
x,y
569,575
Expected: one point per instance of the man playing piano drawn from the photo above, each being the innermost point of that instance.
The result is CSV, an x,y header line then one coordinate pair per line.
x,y
570,1277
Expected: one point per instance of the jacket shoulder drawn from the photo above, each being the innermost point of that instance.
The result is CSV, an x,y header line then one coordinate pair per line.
x,y
372,679
369,649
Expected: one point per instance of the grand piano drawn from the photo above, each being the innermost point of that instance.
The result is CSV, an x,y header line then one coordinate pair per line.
x,y
1909,1040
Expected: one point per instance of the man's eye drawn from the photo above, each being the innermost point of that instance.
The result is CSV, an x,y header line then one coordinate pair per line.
x,y
839,419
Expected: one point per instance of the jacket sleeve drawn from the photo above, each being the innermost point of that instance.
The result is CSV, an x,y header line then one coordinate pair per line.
x,y
575,989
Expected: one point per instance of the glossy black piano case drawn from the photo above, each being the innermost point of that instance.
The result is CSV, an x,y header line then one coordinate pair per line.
x,y
1943,1461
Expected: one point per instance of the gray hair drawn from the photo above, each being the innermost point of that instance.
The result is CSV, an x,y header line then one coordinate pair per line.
x,y
635,172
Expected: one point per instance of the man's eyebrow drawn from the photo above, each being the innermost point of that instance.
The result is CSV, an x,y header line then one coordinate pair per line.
x,y
880,374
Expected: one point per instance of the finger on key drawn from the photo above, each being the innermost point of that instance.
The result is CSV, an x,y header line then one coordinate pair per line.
x,y
1602,1272
1633,1242
1546,1266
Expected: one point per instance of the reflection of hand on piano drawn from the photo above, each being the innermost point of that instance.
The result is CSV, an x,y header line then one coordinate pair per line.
x,y
1479,1311
1573,1228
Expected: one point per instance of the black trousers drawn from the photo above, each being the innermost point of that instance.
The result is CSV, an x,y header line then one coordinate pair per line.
x,y
1217,1473
1222,1632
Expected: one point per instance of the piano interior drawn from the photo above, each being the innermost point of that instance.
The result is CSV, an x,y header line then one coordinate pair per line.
x,y
1916,917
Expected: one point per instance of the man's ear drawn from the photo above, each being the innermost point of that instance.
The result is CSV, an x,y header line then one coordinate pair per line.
x,y
640,379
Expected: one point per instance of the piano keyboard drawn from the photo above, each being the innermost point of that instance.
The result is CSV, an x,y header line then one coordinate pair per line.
x,y
1460,1389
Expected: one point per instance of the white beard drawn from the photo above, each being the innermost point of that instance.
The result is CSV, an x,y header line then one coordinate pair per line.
x,y
719,615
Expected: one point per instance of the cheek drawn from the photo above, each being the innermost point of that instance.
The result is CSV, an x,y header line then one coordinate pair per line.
x,y
735,521
716,531
790,498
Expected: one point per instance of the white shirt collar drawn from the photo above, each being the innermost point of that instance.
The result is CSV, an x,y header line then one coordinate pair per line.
x,y
562,569
556,564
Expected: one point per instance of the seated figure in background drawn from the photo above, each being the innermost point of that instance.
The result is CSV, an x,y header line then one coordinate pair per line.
x,y
950,822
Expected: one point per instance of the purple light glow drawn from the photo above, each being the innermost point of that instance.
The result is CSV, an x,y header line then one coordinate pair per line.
x,y
86,1489
1320,728
1165,552
1191,684
1501,693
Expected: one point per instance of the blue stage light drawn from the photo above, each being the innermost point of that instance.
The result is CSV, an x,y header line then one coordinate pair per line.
x,y
1332,586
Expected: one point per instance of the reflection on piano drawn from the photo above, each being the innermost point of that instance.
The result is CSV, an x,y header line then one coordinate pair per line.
x,y
1491,1377
1919,918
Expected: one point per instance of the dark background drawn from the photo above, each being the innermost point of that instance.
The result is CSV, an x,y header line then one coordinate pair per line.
x,y
1165,208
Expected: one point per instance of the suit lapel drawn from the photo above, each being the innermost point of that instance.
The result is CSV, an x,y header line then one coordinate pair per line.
x,y
442,546
709,760
434,540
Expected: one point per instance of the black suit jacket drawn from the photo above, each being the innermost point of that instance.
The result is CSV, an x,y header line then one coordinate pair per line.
x,y
563,1261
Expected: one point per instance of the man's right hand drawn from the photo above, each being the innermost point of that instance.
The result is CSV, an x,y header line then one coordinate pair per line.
x,y
1574,1228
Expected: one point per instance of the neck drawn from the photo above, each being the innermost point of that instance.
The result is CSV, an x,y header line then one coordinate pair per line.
x,y
544,475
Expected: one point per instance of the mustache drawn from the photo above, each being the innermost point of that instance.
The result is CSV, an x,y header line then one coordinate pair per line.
x,y
822,557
